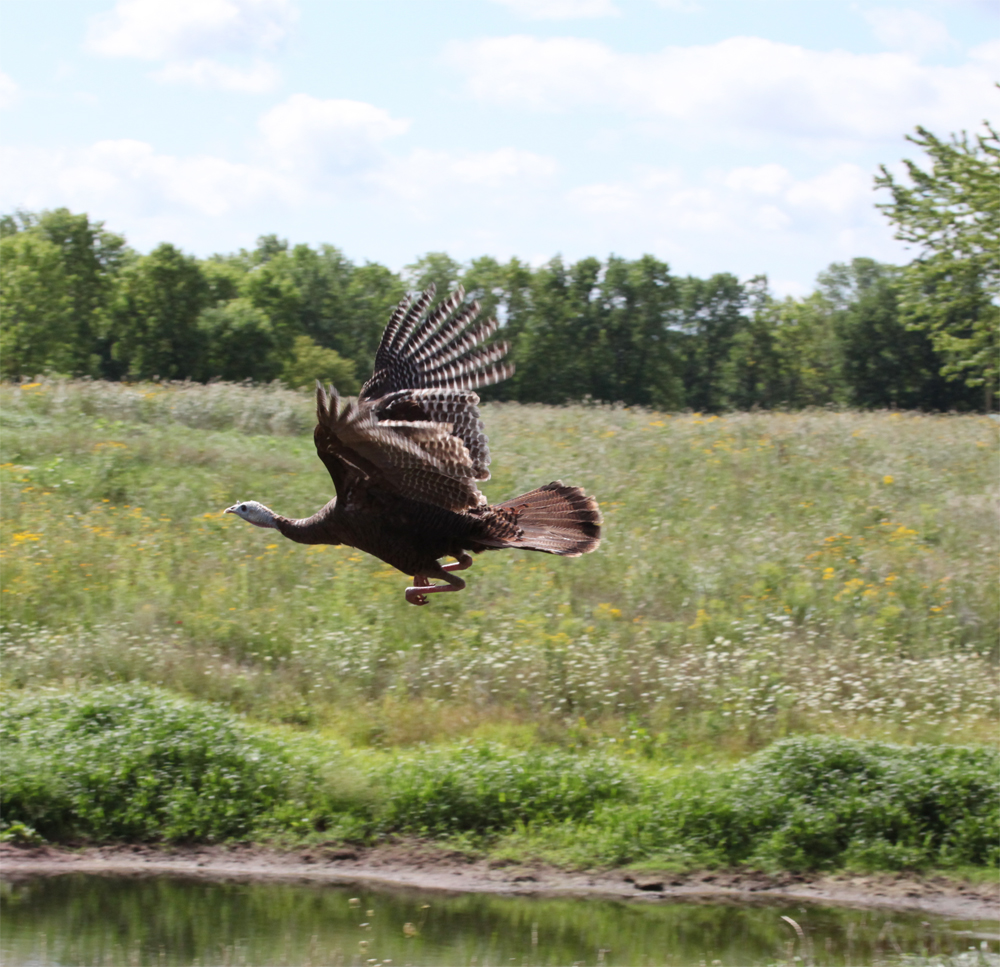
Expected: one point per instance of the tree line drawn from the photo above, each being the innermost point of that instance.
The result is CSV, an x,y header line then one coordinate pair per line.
x,y
76,300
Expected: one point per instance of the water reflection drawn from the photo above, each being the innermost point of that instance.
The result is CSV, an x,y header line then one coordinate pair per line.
x,y
82,919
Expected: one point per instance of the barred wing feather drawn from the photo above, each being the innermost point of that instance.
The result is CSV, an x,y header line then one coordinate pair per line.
x,y
436,350
420,459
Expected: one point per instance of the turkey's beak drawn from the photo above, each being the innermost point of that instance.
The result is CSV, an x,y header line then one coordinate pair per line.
x,y
230,510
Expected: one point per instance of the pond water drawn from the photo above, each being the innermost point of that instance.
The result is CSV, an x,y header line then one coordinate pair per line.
x,y
85,919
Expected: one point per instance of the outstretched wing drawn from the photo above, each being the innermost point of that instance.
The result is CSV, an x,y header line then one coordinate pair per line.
x,y
416,426
420,459
436,350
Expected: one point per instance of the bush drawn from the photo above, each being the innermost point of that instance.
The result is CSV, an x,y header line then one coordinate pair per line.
x,y
827,801
133,763
487,788
822,803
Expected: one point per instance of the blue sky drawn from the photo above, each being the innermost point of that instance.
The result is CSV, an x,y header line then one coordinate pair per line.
x,y
734,136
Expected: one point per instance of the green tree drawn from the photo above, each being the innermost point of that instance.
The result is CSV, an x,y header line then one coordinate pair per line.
x,y
552,348
311,362
322,277
785,354
952,213
91,259
883,363
224,276
437,267
372,293
238,343
271,288
35,307
709,315
633,358
504,293
155,322
753,366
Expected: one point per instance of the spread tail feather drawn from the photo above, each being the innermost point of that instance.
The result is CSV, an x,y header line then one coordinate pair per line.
x,y
555,519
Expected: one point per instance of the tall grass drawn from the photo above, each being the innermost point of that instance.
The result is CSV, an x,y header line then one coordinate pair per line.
x,y
761,574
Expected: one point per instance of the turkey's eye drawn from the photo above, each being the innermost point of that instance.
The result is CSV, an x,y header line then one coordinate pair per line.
x,y
243,508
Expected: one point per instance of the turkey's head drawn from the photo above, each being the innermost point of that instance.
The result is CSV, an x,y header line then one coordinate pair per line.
x,y
254,512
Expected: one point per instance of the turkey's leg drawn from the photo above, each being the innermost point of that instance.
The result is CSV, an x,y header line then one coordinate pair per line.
x,y
418,594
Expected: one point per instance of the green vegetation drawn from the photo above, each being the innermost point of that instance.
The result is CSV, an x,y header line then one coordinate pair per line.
x,y
762,575
952,212
75,300
132,763
807,602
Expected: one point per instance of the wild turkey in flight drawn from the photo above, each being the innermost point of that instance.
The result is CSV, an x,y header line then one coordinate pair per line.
x,y
406,455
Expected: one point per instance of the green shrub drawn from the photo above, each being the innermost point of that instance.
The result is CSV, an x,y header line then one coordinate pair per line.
x,y
822,803
133,763
486,788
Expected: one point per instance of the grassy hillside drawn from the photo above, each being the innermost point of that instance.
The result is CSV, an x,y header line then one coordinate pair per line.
x,y
762,574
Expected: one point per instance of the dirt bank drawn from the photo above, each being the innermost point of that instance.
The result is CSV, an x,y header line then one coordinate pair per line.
x,y
429,867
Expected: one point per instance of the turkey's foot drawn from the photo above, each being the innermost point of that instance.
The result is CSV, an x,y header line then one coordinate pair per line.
x,y
460,564
418,594
414,595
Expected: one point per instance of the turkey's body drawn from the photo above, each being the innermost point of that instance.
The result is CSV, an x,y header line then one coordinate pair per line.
x,y
405,459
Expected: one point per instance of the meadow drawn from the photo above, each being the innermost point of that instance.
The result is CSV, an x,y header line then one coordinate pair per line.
x,y
764,575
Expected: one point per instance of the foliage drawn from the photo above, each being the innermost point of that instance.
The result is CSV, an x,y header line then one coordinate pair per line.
x,y
58,277
135,763
710,315
154,324
34,306
239,342
884,362
310,362
485,788
803,804
952,213
75,301
761,574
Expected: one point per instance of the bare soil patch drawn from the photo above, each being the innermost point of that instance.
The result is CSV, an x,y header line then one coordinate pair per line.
x,y
427,866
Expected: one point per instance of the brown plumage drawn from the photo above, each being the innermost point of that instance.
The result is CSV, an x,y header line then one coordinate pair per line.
x,y
406,456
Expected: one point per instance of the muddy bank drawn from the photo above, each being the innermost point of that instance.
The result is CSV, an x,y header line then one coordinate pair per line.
x,y
428,867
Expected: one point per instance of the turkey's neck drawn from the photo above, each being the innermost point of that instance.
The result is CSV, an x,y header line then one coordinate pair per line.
x,y
321,528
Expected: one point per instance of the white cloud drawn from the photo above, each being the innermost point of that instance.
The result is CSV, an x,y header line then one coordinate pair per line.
x,y
902,29
126,177
206,72
767,179
313,136
425,175
844,190
561,9
187,29
9,90
737,216
739,85
988,53
314,152
184,32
